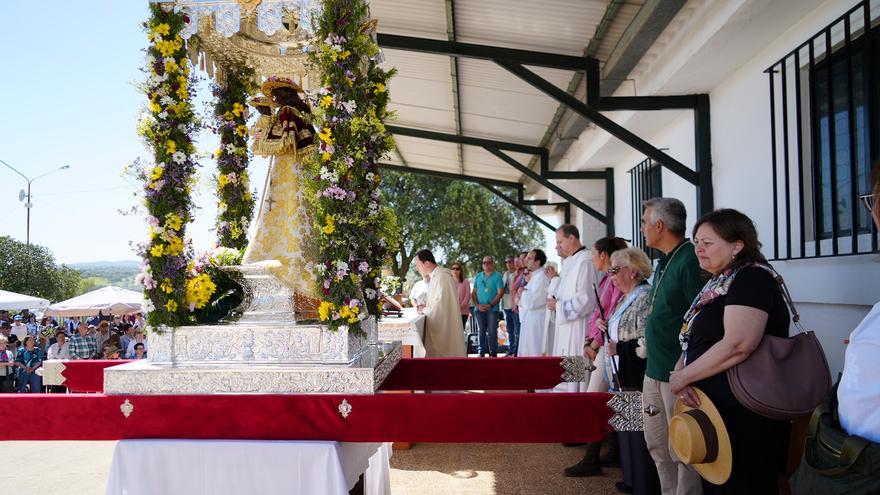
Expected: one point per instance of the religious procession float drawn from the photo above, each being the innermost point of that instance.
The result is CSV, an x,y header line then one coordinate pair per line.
x,y
300,356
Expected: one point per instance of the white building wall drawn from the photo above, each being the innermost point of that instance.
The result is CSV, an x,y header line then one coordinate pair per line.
x,y
833,294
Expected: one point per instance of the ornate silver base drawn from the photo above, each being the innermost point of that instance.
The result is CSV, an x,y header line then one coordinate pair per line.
x,y
364,375
260,343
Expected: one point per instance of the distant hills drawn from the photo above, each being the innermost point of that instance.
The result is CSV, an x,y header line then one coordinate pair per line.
x,y
104,273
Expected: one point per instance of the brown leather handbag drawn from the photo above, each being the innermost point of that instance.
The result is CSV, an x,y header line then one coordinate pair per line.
x,y
783,378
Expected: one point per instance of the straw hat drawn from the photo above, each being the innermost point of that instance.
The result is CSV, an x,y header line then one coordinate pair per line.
x,y
699,438
279,82
262,101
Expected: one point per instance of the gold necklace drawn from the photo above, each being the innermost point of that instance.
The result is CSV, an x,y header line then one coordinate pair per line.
x,y
659,280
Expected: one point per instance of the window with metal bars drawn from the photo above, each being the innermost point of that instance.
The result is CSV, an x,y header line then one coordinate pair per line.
x,y
823,111
646,181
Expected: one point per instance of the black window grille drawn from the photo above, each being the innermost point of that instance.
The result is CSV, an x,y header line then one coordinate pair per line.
x,y
825,133
646,181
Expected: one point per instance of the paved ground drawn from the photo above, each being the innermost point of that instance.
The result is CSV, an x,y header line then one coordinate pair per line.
x,y
81,468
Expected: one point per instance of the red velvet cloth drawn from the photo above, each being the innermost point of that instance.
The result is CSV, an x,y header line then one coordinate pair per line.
x,y
87,375
526,373
453,417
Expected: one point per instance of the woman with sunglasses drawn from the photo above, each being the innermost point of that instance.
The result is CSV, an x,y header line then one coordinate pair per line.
x,y
464,292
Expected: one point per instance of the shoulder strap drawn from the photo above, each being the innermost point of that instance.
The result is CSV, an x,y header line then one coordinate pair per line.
x,y
783,289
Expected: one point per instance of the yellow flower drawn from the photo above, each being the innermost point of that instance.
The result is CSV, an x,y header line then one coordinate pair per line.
x,y
166,286
222,180
237,109
171,66
155,108
344,312
228,116
326,101
171,306
174,247
173,221
167,48
217,153
248,196
325,156
330,225
326,135
158,250
182,93
344,55
199,290
241,130
325,309
380,88
157,173
172,146
163,29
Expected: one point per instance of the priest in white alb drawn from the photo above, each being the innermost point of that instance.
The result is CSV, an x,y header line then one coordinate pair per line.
x,y
444,336
574,300
533,306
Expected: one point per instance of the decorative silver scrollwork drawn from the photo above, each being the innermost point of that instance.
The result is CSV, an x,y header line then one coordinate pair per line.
x,y
270,17
127,408
227,19
574,368
627,407
344,409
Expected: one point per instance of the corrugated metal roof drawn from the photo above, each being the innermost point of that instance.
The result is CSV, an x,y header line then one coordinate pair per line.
x,y
494,103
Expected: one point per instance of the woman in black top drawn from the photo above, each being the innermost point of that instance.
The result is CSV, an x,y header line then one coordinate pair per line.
x,y
737,307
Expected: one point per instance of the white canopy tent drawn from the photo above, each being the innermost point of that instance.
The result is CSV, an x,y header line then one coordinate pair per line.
x,y
12,300
108,300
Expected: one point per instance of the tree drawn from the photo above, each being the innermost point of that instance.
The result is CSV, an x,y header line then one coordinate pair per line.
x,y
31,270
458,221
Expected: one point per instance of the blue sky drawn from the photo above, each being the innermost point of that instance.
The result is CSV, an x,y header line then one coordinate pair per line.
x,y
68,96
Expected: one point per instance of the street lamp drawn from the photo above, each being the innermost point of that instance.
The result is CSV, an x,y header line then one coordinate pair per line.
x,y
22,195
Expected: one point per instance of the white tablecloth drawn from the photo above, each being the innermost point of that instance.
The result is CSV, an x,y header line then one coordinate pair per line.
x,y
409,329
217,467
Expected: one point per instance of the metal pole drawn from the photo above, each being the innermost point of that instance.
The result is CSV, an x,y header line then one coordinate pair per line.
x,y
27,206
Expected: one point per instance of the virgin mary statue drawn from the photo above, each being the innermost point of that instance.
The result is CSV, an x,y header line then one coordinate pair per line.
x,y
281,229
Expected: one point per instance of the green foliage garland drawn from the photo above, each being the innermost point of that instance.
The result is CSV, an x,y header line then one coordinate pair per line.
x,y
235,207
171,289
352,228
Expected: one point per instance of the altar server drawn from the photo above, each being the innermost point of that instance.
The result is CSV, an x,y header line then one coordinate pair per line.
x,y
574,300
533,306
443,332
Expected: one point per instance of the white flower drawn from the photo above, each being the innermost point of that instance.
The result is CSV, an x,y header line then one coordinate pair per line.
x,y
370,293
167,100
162,115
371,176
341,265
350,106
148,305
179,157
181,127
230,148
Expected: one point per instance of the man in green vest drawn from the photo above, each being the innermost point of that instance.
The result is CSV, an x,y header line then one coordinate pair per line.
x,y
677,280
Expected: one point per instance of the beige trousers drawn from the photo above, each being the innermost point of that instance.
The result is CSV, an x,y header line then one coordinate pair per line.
x,y
675,478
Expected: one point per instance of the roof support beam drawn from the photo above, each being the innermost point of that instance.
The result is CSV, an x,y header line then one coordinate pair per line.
x,y
674,102
549,185
448,175
453,138
600,120
520,207
456,49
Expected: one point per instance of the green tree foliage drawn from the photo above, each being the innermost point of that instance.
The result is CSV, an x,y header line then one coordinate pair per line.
x,y
458,221
31,270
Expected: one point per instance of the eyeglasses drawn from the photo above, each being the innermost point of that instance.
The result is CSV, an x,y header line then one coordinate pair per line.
x,y
456,268
868,201
614,270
